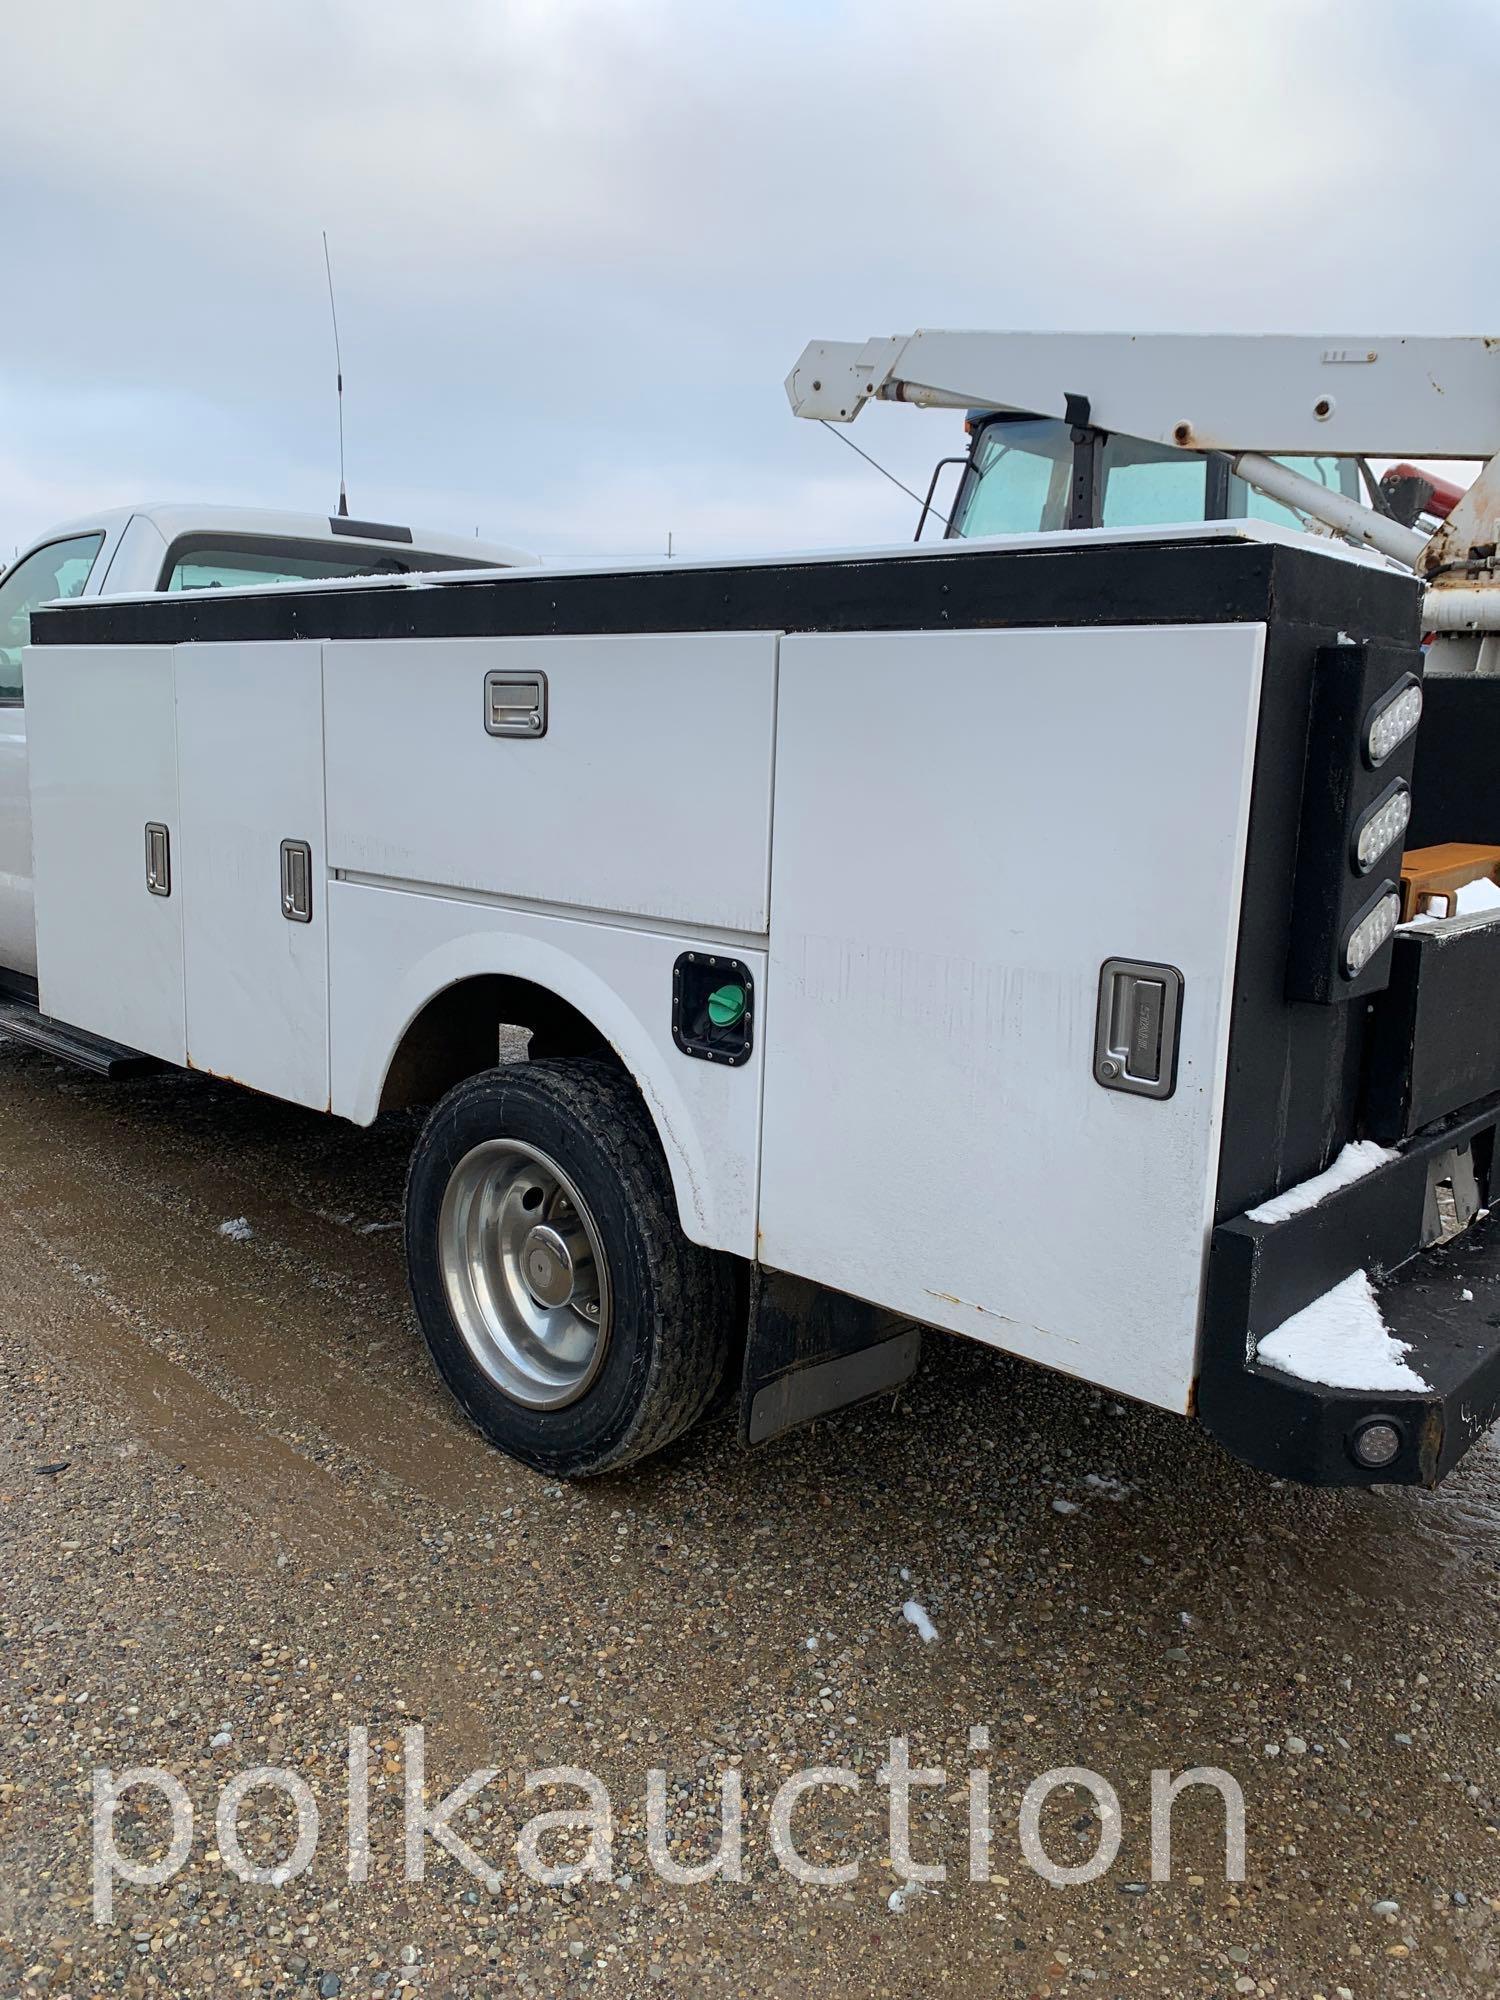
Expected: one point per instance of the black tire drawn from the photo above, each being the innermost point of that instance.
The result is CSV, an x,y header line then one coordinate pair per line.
x,y
672,1300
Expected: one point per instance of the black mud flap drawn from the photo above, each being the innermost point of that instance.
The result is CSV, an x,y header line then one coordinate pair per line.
x,y
810,1351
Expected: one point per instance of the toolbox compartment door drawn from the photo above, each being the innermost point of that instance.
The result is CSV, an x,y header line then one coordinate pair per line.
x,y
644,788
103,767
250,751
969,825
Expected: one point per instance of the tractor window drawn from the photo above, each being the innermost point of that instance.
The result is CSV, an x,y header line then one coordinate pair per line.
x,y
1022,471
1339,475
61,569
1145,486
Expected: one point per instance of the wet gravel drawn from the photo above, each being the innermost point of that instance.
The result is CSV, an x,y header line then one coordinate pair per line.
x,y
239,1518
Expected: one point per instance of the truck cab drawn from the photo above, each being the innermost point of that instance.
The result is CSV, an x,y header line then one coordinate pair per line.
x,y
178,549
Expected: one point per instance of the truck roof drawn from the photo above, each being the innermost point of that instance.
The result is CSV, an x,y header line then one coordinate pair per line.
x,y
183,517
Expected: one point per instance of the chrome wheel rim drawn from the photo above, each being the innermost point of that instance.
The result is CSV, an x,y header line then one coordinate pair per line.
x,y
525,1274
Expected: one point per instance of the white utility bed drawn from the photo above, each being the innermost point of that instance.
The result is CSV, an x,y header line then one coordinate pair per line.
x,y
921,844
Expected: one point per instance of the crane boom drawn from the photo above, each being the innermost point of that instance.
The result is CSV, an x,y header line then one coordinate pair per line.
x,y
1254,398
1392,397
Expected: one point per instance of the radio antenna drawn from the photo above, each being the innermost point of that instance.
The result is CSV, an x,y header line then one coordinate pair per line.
x,y
338,359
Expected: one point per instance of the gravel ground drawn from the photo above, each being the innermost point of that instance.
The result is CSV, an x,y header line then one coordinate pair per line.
x,y
239,1516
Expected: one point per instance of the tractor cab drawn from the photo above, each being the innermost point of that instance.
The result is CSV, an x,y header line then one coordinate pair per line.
x,y
1026,475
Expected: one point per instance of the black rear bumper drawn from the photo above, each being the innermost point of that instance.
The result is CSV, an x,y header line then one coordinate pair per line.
x,y
1444,1302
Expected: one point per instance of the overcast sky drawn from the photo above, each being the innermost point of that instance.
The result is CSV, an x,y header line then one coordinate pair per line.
x,y
578,243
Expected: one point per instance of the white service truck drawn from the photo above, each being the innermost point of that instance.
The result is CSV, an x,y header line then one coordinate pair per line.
x,y
1003,936
173,548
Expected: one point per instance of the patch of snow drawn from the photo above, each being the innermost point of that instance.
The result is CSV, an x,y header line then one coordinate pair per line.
x,y
1466,1295
1341,1341
898,1899
1362,1158
1101,1482
1065,1507
1475,899
1478,896
914,1614
238,1229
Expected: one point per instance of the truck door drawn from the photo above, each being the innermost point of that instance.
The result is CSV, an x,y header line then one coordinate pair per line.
x,y
250,756
60,568
104,828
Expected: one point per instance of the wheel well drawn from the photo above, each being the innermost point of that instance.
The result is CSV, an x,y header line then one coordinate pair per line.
x,y
462,1030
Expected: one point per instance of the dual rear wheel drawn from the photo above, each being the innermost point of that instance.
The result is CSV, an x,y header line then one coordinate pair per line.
x,y
561,1302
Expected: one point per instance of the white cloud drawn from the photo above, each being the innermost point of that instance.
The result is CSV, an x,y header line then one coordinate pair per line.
x,y
578,242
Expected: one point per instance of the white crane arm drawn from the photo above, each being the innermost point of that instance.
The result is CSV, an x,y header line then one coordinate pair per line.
x,y
1396,397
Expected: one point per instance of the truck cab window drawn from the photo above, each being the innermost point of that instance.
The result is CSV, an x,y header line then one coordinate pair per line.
x,y
241,566
61,569
241,562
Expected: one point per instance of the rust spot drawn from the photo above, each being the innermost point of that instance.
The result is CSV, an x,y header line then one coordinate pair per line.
x,y
1430,1445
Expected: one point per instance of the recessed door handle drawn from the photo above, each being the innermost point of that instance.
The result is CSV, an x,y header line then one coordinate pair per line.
x,y
1139,1022
296,881
515,704
158,859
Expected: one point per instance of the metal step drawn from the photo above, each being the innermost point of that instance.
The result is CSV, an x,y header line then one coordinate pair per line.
x,y
23,1023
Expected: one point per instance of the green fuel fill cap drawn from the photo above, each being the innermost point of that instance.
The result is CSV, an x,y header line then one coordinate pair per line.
x,y
726,1005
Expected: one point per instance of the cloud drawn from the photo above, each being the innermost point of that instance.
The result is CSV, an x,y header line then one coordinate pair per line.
x,y
579,242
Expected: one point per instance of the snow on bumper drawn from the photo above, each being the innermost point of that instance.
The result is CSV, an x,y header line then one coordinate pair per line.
x,y
1330,1315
